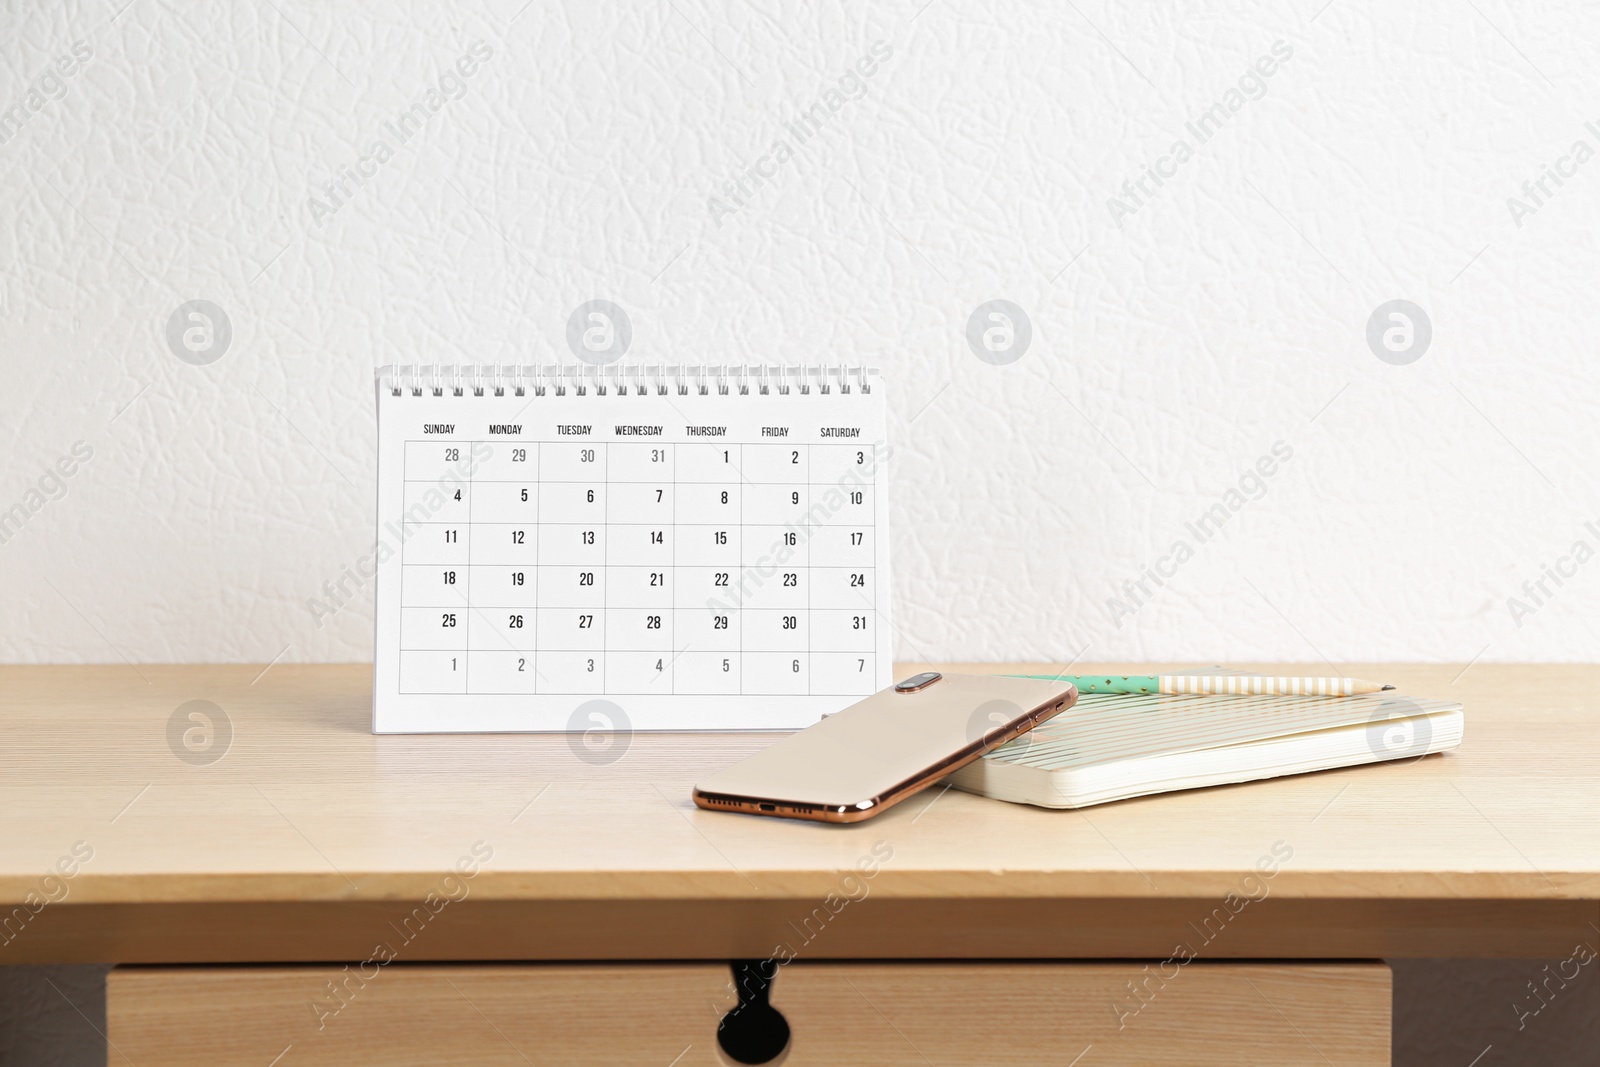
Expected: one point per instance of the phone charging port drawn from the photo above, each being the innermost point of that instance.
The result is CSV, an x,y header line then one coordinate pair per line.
x,y
769,807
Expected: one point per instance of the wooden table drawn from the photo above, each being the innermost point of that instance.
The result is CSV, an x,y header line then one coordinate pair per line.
x,y
311,840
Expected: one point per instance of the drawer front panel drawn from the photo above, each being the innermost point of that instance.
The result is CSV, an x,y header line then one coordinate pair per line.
x,y
839,1014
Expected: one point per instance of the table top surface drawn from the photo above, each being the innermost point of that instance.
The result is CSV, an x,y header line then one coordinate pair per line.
x,y
307,804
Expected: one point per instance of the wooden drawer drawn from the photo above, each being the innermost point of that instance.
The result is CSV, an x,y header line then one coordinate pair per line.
x,y
872,1014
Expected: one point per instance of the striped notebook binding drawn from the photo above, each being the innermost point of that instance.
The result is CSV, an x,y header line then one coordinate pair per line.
x,y
1246,684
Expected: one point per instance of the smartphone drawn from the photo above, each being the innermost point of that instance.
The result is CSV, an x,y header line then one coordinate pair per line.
x,y
872,755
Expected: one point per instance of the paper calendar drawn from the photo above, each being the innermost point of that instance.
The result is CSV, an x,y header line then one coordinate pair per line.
x,y
700,548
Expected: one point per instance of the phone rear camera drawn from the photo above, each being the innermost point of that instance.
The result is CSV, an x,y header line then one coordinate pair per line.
x,y
917,681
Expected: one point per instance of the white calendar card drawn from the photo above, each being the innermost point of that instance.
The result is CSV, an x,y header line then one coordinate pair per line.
x,y
579,548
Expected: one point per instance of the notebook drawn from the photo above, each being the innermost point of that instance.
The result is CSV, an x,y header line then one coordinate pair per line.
x,y
668,548
1112,747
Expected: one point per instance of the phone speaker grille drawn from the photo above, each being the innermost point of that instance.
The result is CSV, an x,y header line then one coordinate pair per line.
x,y
786,806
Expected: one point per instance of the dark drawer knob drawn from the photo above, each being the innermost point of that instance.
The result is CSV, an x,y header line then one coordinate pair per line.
x,y
755,1031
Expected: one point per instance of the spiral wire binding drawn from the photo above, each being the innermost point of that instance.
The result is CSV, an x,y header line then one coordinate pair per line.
x,y
643,380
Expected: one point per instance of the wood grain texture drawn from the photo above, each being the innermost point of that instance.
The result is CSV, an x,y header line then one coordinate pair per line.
x,y
310,832
874,1015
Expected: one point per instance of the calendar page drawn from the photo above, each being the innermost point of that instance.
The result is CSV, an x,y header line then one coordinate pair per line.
x,y
577,549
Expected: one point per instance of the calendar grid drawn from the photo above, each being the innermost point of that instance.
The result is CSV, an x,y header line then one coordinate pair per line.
x,y
726,528
792,531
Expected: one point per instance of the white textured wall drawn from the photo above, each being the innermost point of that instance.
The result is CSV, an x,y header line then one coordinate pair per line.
x,y
1226,312
1172,346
